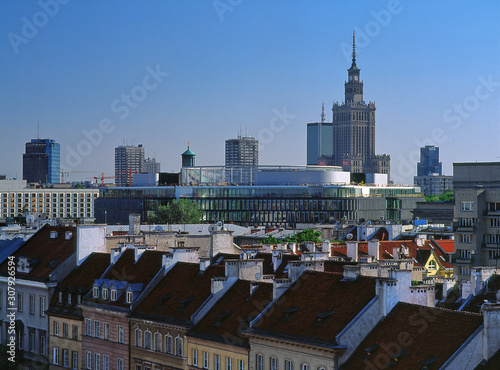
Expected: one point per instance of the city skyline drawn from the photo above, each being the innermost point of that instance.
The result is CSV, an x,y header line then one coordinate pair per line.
x,y
162,74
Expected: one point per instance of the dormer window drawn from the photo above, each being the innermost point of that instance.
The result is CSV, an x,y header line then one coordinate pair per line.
x,y
78,299
68,235
288,313
104,293
129,297
69,298
113,294
432,265
95,292
60,297
53,234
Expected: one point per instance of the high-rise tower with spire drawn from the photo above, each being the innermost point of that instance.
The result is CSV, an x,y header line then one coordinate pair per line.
x,y
353,130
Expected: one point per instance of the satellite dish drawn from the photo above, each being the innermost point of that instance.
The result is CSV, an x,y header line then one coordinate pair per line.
x,y
349,236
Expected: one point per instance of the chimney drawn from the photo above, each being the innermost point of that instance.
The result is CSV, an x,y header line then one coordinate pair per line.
x,y
491,331
352,250
134,224
280,286
204,263
420,240
395,253
138,251
373,249
326,246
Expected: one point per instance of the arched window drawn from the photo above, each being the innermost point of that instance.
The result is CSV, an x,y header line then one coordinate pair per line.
x,y
168,344
288,365
138,337
432,265
179,346
259,362
274,363
158,341
304,367
148,339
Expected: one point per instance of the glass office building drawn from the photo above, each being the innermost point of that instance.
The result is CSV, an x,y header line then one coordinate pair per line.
x,y
42,162
265,205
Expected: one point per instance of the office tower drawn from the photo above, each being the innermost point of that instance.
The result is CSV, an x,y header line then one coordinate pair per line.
x,y
42,162
188,158
352,132
151,166
129,160
243,151
429,161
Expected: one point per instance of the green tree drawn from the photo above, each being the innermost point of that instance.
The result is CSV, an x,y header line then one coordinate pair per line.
x,y
446,196
182,211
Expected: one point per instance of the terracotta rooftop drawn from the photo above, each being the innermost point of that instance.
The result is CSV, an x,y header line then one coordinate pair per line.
x,y
179,294
448,245
45,253
412,336
136,274
317,307
78,282
233,313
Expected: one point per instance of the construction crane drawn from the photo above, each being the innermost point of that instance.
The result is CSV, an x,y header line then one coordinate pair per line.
x,y
64,173
103,177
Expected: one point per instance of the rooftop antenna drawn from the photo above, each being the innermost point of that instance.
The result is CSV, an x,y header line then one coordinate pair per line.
x,y
38,129
246,132
353,49
322,112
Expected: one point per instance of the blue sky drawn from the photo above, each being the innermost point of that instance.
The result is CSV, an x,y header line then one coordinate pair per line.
x,y
97,74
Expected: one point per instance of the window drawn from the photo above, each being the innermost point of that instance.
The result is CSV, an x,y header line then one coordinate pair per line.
x,y
56,328
95,292
241,365
88,327
31,344
178,346
138,337
217,362
74,360
464,270
158,341
55,355
119,364
97,329
97,361
168,344
274,363
106,330
465,238
494,255
1,298
121,334
42,344
88,360
104,293
463,253
65,330
20,302
288,365
69,298
493,206
205,360
105,362
304,367
147,339
32,304
60,297
113,294
432,265
467,206
75,332
65,358
495,222
194,358
260,362
129,297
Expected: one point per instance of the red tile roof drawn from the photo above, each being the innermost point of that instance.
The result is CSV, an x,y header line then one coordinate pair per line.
x,y
448,245
46,254
79,282
127,270
424,333
233,313
179,294
317,307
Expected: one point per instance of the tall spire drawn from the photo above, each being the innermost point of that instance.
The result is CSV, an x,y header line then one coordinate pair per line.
x,y
353,65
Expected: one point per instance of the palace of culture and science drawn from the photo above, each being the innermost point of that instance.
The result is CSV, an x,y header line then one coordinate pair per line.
x,y
349,140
